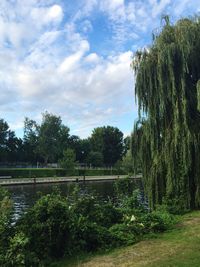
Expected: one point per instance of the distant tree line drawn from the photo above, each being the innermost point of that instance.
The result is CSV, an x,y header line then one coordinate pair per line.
x,y
48,142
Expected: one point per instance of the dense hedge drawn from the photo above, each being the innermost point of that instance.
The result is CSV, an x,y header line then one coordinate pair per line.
x,y
57,172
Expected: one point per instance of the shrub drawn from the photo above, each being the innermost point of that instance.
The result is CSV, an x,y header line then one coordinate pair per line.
x,y
6,208
159,220
109,215
90,236
176,205
47,226
103,213
17,254
55,227
123,234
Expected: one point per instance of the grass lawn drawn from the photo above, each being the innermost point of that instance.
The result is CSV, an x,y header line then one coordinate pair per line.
x,y
179,247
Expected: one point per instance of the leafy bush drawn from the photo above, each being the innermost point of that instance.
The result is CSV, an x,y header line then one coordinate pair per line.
x,y
17,255
123,234
47,226
90,236
158,220
6,208
176,205
56,226
105,214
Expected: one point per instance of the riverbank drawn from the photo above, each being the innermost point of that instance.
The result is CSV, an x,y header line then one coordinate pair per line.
x,y
176,248
47,180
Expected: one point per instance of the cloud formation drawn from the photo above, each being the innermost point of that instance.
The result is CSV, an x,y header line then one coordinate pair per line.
x,y
74,60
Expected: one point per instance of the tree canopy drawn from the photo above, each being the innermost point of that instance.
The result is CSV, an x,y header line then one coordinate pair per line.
x,y
53,137
108,141
166,138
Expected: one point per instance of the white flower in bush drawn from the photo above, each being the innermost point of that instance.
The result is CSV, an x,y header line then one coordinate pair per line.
x,y
133,218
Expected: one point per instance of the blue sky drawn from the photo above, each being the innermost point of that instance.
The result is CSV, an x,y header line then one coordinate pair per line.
x,y
72,58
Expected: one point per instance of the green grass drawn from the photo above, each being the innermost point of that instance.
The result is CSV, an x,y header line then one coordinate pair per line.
x,y
179,247
54,172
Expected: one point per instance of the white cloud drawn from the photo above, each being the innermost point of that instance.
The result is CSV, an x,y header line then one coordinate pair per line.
x,y
45,15
112,4
92,58
70,92
71,62
50,60
55,13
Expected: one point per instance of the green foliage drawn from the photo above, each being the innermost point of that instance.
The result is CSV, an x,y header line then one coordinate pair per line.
x,y
166,144
176,205
124,187
31,132
95,159
53,137
8,143
33,172
104,214
47,226
123,234
16,253
6,208
158,220
68,161
90,236
82,147
109,142
54,172
57,226
127,163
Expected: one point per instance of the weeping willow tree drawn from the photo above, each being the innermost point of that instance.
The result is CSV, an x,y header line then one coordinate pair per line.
x,y
166,139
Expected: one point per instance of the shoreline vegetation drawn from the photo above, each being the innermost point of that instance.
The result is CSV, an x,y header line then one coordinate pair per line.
x,y
57,227
177,247
57,172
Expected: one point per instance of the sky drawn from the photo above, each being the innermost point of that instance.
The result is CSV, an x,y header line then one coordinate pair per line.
x,y
72,58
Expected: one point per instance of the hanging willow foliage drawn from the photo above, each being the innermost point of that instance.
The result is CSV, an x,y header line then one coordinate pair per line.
x,y
166,142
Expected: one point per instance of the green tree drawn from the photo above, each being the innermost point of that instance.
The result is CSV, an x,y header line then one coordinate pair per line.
x,y
108,141
30,140
127,163
82,147
168,92
4,132
127,144
9,143
13,147
68,161
95,159
53,137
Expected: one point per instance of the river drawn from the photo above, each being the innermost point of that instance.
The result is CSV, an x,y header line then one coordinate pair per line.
x,y
24,196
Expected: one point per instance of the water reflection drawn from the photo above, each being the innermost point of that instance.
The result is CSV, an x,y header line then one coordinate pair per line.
x,y
24,196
